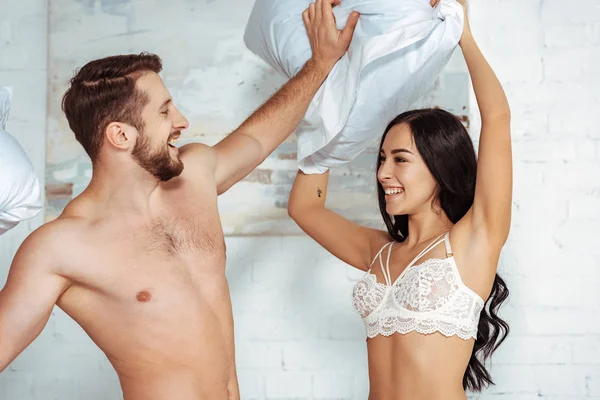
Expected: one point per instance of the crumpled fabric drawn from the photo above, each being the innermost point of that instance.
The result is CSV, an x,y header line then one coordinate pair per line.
x,y
20,191
398,49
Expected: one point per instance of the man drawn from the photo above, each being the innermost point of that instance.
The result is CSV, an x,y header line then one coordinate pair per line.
x,y
138,259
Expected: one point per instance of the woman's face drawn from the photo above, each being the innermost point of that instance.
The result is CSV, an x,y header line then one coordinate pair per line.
x,y
408,184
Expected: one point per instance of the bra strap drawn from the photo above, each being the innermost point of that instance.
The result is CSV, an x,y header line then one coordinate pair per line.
x,y
378,254
447,243
429,247
388,276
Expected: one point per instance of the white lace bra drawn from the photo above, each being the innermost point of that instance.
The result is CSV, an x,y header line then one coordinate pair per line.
x,y
426,298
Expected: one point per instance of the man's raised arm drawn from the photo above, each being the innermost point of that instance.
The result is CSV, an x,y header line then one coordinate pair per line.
x,y
244,149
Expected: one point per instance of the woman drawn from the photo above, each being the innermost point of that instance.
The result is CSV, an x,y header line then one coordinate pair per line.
x,y
429,275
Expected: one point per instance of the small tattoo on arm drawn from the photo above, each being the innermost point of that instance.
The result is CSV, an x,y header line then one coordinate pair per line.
x,y
319,192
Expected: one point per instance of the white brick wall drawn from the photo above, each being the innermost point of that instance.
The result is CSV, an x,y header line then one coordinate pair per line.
x,y
551,261
296,334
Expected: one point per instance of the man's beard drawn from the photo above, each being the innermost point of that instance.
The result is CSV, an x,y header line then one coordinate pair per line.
x,y
159,164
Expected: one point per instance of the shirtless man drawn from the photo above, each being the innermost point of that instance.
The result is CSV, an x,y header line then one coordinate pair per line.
x,y
138,259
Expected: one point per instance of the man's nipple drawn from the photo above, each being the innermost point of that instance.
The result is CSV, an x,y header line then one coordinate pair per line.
x,y
143,296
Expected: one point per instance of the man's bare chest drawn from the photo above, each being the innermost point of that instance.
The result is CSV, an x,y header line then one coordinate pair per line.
x,y
180,236
172,250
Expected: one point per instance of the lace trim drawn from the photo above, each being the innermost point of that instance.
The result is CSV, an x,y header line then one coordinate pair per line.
x,y
389,326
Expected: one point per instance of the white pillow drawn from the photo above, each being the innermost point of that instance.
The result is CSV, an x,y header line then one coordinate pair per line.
x,y
398,49
20,192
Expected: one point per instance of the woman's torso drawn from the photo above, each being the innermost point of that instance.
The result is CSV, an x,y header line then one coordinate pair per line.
x,y
421,320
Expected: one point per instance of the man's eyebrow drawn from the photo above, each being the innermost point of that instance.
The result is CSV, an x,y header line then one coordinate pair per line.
x,y
165,103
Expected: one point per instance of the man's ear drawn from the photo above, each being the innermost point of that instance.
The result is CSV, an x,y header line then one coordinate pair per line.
x,y
119,136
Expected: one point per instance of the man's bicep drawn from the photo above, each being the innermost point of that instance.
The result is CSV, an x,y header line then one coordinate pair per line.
x,y
230,160
199,162
236,156
26,301
231,164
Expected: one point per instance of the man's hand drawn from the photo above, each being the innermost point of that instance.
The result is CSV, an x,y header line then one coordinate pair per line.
x,y
248,146
328,44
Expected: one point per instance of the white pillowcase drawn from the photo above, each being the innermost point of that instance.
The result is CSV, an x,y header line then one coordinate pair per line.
x,y
20,191
398,49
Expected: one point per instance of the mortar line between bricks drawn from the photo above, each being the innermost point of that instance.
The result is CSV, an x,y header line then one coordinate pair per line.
x,y
23,70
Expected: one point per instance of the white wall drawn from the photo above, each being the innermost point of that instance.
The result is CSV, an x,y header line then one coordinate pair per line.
x,y
544,52
296,334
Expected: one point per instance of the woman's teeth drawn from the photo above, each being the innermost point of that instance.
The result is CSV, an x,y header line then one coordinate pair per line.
x,y
393,191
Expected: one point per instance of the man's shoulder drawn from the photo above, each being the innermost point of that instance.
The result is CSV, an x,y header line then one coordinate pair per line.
x,y
49,243
199,164
198,154
64,227
47,248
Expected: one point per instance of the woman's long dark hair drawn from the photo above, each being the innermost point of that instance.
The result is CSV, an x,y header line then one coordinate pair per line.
x,y
448,152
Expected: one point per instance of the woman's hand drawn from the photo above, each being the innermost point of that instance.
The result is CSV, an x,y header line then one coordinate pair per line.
x,y
467,27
